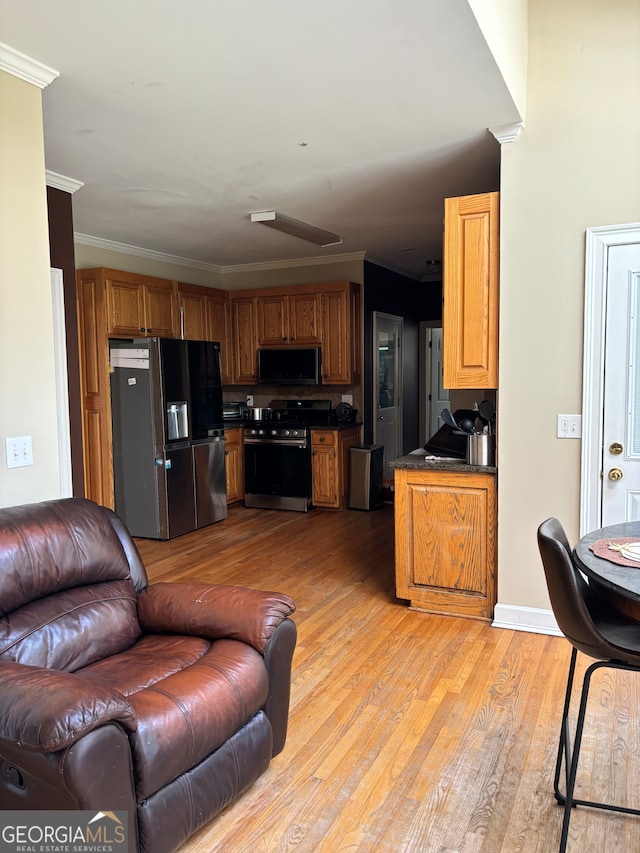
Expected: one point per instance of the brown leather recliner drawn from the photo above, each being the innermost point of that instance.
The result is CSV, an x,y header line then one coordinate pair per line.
x,y
167,699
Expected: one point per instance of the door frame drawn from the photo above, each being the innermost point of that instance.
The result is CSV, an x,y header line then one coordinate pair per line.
x,y
61,382
381,315
598,242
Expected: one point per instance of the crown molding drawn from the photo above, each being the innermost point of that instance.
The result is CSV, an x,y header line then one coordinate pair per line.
x,y
62,182
138,251
507,132
22,66
150,254
294,262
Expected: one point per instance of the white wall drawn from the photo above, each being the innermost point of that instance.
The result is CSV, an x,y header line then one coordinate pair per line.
x,y
27,380
575,165
504,26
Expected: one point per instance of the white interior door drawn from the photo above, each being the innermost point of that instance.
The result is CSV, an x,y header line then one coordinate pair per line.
x,y
387,384
621,410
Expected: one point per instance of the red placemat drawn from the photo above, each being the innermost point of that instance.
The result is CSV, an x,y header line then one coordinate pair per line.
x,y
601,549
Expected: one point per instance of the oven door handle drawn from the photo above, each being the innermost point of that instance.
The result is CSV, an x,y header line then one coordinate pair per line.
x,y
286,442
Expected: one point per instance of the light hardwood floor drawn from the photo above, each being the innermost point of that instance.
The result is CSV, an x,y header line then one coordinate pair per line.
x,y
408,731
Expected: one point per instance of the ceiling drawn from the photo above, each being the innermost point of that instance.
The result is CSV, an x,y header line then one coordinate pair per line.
x,y
182,119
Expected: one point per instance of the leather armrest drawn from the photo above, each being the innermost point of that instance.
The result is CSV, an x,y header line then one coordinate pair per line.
x,y
213,611
46,709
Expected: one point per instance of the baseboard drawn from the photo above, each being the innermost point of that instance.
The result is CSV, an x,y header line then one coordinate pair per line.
x,y
532,619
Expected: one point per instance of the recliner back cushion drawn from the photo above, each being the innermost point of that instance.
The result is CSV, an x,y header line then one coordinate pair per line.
x,y
66,595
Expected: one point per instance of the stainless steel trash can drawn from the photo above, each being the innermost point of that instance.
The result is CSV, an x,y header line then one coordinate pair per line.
x,y
365,476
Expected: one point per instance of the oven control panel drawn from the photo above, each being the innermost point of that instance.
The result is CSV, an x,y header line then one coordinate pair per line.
x,y
276,432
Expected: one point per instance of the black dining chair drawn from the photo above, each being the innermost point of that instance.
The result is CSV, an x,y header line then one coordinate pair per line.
x,y
597,630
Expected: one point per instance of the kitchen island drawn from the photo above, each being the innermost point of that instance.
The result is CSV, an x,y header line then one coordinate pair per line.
x,y
445,535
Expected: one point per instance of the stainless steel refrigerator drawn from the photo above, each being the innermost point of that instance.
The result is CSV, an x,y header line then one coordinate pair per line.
x,y
168,436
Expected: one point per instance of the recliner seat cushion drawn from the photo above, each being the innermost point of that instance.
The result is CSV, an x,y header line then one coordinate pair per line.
x,y
188,696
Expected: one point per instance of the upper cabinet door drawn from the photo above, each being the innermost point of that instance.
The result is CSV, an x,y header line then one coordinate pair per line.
x,y
245,339
194,315
305,319
470,291
125,308
161,310
273,320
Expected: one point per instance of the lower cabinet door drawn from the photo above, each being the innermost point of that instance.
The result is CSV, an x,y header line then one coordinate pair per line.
x,y
445,530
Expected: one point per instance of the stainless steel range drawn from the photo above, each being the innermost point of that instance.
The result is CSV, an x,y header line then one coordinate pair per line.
x,y
277,454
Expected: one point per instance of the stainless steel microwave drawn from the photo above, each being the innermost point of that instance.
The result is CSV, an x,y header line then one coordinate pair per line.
x,y
290,366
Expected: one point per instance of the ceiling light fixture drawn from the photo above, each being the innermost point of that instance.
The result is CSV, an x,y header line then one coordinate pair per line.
x,y
295,228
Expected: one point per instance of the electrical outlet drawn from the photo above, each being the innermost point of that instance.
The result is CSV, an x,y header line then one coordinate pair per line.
x,y
569,426
347,398
19,451
249,399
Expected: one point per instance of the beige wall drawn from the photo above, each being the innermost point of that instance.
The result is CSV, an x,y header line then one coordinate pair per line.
x,y
504,26
575,165
27,381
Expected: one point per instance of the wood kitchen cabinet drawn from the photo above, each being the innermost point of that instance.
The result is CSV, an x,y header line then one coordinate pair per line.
x,y
95,394
445,541
205,317
470,291
193,309
234,464
341,343
219,329
325,315
245,339
292,318
140,306
330,466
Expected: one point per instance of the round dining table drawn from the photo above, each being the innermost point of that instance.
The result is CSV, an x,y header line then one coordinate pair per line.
x,y
618,584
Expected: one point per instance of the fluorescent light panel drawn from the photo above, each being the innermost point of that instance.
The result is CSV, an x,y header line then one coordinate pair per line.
x,y
295,228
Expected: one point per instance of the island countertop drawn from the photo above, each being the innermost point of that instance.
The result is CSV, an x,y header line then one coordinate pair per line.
x,y
421,460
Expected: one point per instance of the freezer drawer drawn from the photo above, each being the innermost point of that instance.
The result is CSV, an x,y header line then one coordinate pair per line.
x,y
179,515
211,486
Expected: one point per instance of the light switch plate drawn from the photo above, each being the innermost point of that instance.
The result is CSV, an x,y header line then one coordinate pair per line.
x,y
19,451
569,426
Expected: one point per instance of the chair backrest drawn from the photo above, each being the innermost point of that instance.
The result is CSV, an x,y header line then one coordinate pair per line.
x,y
569,592
68,584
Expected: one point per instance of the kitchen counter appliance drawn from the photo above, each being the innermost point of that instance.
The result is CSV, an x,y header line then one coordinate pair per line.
x,y
277,454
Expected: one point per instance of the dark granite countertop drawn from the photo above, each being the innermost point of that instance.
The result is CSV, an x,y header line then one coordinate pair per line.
x,y
423,462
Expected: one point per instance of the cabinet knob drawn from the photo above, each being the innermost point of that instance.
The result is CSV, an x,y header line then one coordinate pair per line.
x,y
321,438
142,329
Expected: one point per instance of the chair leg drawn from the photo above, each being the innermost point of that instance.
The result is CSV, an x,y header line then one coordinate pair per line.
x,y
571,756
564,744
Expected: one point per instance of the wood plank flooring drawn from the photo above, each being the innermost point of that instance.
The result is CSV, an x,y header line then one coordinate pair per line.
x,y
408,732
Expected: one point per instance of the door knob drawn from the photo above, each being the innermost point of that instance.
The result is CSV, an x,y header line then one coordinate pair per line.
x,y
616,448
615,474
